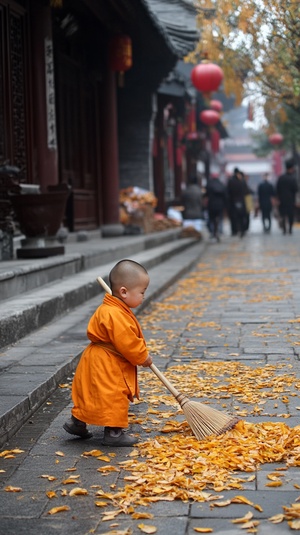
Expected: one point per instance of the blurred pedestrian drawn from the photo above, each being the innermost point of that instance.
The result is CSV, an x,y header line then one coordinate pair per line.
x,y
237,190
266,195
216,203
286,189
192,204
249,204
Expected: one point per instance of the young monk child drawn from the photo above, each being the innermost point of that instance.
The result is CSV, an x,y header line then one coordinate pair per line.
x,y
106,376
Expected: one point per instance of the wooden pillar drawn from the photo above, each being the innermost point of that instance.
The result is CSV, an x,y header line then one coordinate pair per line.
x,y
44,116
159,159
158,171
110,159
178,172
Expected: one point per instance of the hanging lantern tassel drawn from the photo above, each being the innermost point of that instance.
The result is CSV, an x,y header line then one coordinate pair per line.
x,y
215,140
120,56
179,156
192,119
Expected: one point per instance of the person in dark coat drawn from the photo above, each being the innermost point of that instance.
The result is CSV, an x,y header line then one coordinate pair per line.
x,y
192,201
216,202
286,189
237,190
266,193
248,201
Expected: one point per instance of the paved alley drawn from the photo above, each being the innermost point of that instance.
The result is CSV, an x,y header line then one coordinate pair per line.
x,y
226,335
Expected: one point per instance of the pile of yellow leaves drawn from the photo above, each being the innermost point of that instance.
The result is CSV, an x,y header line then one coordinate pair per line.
x,y
182,468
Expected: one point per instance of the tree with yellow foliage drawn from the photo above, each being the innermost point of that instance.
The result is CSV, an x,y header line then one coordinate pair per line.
x,y
256,43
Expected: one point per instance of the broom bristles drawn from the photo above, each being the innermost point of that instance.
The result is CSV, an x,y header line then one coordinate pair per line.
x,y
205,421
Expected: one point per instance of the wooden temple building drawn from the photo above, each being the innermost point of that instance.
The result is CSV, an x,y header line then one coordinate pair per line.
x,y
86,100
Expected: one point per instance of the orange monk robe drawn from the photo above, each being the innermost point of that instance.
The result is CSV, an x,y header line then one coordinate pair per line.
x,y
106,377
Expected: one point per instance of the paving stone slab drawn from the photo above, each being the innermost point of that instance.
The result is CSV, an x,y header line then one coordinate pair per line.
x,y
271,502
225,527
22,504
46,526
164,524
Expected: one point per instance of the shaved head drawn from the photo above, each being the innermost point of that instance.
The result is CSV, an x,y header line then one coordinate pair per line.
x,y
126,273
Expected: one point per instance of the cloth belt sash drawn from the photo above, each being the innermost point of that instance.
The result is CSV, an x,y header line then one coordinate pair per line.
x,y
111,348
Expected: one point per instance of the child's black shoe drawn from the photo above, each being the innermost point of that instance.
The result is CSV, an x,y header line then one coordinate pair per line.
x,y
116,437
77,427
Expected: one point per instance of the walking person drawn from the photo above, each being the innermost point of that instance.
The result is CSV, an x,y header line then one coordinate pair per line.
x,y
266,195
106,376
237,190
216,203
249,204
192,204
286,189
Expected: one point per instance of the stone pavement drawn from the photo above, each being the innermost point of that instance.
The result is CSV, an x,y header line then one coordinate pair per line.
x,y
238,307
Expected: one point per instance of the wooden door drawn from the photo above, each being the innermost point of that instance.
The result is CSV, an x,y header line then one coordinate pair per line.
x,y
78,140
14,87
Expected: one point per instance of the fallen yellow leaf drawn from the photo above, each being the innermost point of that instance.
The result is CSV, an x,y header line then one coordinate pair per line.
x,y
100,504
92,453
250,525
138,516
78,491
222,504
294,524
51,494
59,509
243,519
241,499
9,488
276,519
147,529
70,481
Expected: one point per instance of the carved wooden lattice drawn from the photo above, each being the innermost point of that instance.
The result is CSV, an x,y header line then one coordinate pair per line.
x,y
18,90
2,125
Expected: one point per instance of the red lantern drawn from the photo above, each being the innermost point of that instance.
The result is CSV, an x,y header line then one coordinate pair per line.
x,y
209,117
275,139
216,105
206,77
120,53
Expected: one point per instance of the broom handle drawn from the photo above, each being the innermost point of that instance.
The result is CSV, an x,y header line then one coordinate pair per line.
x,y
155,370
104,285
165,381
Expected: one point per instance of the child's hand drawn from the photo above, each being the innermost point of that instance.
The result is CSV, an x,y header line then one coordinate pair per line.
x,y
147,362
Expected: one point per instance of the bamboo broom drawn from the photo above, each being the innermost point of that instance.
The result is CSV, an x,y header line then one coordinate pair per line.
x,y
203,420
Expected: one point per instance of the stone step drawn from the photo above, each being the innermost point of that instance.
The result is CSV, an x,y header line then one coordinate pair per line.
x,y
20,276
35,308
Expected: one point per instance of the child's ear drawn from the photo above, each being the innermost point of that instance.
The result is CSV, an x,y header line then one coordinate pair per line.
x,y
123,291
